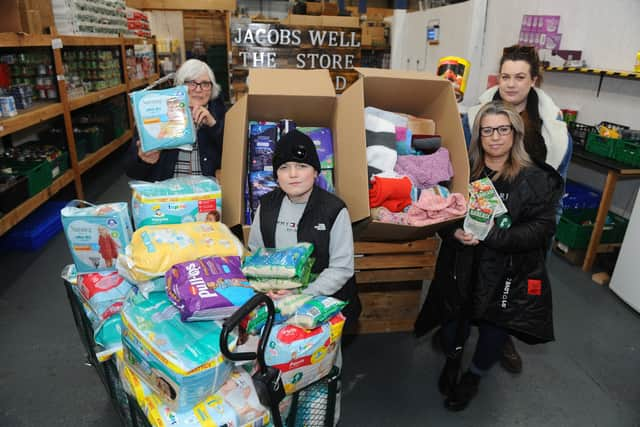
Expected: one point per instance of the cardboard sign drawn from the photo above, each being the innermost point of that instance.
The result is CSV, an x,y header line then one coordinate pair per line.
x,y
255,45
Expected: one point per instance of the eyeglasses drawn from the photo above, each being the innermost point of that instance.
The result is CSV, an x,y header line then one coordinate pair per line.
x,y
192,84
502,130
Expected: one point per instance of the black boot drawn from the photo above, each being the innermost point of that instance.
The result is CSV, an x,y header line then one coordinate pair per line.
x,y
510,359
449,375
463,392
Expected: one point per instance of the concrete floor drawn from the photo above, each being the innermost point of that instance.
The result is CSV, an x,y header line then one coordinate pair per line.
x,y
589,377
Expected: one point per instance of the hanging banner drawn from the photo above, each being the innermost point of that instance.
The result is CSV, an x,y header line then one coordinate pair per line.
x,y
258,45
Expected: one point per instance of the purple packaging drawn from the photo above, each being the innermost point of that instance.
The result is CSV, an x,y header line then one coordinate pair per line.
x,y
260,183
262,143
208,288
548,23
323,141
325,180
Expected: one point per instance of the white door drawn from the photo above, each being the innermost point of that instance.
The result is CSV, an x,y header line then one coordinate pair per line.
x,y
626,281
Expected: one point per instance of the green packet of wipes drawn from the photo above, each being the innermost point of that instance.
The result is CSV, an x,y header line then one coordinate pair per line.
x,y
486,194
479,218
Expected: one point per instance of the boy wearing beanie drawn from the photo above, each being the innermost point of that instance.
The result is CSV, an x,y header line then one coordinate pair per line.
x,y
299,211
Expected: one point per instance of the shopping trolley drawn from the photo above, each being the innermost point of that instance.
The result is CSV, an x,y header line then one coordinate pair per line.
x,y
313,406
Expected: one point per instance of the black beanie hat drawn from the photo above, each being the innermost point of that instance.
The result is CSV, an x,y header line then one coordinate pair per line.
x,y
295,146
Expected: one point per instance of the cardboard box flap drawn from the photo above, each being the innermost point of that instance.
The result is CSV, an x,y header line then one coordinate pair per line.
x,y
264,81
376,231
234,168
350,171
397,74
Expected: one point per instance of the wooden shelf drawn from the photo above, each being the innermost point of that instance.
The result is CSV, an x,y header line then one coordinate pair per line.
x,y
94,97
22,211
130,41
39,112
90,41
92,159
24,40
138,83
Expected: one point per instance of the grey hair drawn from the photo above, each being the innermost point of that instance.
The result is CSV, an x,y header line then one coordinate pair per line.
x,y
191,69
518,157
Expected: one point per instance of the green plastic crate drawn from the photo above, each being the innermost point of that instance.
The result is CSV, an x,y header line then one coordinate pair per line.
x,y
59,165
600,145
627,152
38,173
575,228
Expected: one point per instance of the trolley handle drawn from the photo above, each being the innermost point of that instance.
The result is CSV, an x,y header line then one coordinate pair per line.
x,y
235,319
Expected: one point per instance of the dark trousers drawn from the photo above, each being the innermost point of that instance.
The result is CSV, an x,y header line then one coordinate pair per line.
x,y
489,347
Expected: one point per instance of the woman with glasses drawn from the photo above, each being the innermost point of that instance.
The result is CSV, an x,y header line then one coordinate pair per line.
x,y
208,111
546,138
499,284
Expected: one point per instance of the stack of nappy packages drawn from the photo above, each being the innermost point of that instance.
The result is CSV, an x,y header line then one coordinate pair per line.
x,y
161,312
95,234
263,138
409,170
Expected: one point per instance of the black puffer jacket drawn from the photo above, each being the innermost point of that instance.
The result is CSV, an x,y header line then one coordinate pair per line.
x,y
472,280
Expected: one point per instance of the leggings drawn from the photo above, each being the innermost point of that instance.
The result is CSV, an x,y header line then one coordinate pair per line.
x,y
489,347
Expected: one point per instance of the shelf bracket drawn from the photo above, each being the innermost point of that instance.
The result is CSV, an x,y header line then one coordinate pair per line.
x,y
599,84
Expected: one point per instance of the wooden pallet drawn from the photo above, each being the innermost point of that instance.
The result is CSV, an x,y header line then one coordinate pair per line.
x,y
390,277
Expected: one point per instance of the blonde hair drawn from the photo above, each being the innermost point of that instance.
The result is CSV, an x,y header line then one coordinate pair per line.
x,y
192,69
518,156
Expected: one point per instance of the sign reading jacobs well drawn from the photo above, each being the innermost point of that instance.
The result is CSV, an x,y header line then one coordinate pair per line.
x,y
284,46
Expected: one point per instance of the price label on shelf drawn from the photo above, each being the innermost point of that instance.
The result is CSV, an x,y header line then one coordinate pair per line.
x,y
56,43
1,128
60,77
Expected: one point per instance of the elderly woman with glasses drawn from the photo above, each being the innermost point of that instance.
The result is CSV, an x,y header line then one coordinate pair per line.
x,y
499,284
208,113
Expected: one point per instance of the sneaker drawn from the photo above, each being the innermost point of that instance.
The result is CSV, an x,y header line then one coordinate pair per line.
x,y
449,375
511,360
463,392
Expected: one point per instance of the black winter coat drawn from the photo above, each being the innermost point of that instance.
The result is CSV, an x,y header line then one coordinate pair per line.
x,y
473,282
209,147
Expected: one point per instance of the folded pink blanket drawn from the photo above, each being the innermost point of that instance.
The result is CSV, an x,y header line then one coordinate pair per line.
x,y
432,208
385,215
426,171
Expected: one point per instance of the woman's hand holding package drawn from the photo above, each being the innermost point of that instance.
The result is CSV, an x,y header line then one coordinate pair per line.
x,y
202,116
465,238
150,157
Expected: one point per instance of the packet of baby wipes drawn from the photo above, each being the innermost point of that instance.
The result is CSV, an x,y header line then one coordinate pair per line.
x,y
483,190
479,218
285,263
316,311
163,118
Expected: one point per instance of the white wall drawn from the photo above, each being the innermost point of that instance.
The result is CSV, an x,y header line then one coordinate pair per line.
x,y
608,33
455,25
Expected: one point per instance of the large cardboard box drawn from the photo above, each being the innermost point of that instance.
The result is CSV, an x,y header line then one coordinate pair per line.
x,y
322,21
419,94
308,98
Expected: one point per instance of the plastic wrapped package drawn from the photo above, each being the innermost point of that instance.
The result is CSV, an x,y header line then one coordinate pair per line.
x,y
208,288
176,200
153,250
180,361
96,234
163,118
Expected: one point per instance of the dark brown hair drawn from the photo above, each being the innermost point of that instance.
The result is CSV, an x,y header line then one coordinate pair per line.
x,y
527,54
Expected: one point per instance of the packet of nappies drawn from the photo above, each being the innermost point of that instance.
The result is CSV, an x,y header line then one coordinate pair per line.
x,y
285,307
180,361
175,200
304,356
96,234
163,118
285,263
208,288
236,403
153,250
316,311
